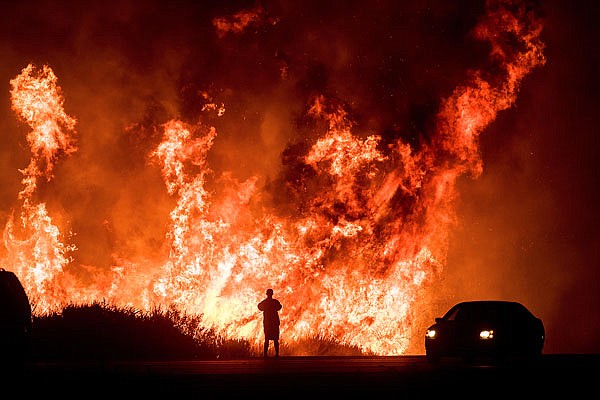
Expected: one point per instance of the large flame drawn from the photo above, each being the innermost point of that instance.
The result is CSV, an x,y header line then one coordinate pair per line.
x,y
34,246
368,235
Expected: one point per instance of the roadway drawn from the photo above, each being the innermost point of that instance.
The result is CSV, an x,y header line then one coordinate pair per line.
x,y
307,378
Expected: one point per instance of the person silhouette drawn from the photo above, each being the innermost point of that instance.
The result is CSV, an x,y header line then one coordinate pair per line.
x,y
270,308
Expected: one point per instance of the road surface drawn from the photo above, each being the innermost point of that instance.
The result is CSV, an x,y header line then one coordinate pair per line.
x,y
307,378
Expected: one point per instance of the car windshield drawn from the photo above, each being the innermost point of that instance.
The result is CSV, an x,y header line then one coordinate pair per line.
x,y
484,311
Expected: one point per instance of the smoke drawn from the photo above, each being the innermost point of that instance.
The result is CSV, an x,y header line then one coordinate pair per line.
x,y
527,224
122,63
252,70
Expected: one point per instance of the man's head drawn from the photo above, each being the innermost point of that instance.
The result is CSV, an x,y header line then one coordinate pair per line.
x,y
269,292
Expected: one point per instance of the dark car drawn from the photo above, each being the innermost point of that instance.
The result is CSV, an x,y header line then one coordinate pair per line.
x,y
493,330
15,318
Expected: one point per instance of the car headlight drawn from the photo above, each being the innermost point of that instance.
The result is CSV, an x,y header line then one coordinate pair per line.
x,y
430,334
486,334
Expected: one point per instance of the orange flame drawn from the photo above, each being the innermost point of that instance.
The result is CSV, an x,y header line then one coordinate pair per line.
x,y
369,235
36,252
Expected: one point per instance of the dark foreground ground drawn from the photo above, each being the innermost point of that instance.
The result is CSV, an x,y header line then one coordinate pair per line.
x,y
306,378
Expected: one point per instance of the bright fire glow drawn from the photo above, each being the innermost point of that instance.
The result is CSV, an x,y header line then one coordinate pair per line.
x,y
354,262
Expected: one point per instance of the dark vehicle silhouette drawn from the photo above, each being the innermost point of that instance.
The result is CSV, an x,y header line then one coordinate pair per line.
x,y
486,330
15,318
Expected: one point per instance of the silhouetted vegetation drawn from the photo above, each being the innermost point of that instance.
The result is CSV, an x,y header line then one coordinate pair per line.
x,y
100,331
323,345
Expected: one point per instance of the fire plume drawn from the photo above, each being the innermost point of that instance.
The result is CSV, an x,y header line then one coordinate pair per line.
x,y
34,245
367,237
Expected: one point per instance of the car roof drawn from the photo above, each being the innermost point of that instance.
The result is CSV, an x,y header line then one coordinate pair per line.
x,y
489,302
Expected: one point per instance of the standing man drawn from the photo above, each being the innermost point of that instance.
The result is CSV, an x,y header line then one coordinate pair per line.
x,y
270,308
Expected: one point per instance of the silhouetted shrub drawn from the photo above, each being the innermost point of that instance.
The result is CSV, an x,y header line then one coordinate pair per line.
x,y
100,331
323,345
103,332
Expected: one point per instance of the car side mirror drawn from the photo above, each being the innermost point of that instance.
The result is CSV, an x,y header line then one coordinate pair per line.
x,y
439,319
